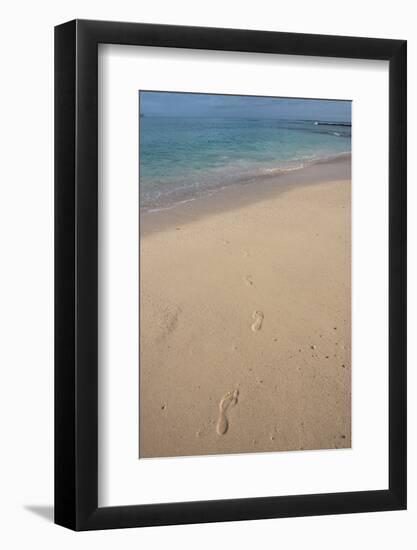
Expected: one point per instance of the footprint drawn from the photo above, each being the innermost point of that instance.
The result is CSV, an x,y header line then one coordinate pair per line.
x,y
258,318
167,322
228,400
248,280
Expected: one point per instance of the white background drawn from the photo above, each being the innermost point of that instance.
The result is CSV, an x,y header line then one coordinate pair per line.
x,y
26,301
123,479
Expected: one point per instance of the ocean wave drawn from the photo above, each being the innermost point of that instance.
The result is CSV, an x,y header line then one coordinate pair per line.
x,y
280,170
162,196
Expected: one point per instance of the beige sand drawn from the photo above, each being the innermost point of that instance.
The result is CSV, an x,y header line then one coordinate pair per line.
x,y
245,319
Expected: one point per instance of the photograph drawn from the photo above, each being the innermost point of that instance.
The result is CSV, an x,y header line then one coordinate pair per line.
x,y
245,274
209,259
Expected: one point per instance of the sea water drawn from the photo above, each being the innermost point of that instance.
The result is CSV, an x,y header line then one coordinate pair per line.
x,y
182,158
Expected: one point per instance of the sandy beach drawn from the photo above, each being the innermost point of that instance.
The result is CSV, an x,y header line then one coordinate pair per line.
x,y
245,318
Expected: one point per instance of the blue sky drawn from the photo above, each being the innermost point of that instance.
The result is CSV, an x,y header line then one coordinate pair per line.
x,y
205,105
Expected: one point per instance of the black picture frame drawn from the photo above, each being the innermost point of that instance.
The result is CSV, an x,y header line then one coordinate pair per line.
x,y
76,272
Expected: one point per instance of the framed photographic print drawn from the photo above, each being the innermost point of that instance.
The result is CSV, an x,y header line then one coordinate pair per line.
x,y
230,255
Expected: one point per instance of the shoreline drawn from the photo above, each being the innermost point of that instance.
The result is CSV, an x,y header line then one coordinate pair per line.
x,y
241,194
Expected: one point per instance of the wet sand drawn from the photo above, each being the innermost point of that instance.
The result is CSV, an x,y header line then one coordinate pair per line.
x,y
245,318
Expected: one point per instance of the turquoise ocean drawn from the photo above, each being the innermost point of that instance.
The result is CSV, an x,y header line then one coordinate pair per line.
x,y
185,157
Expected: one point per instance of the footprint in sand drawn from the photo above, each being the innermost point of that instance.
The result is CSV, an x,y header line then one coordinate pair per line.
x,y
228,400
167,322
248,280
258,318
